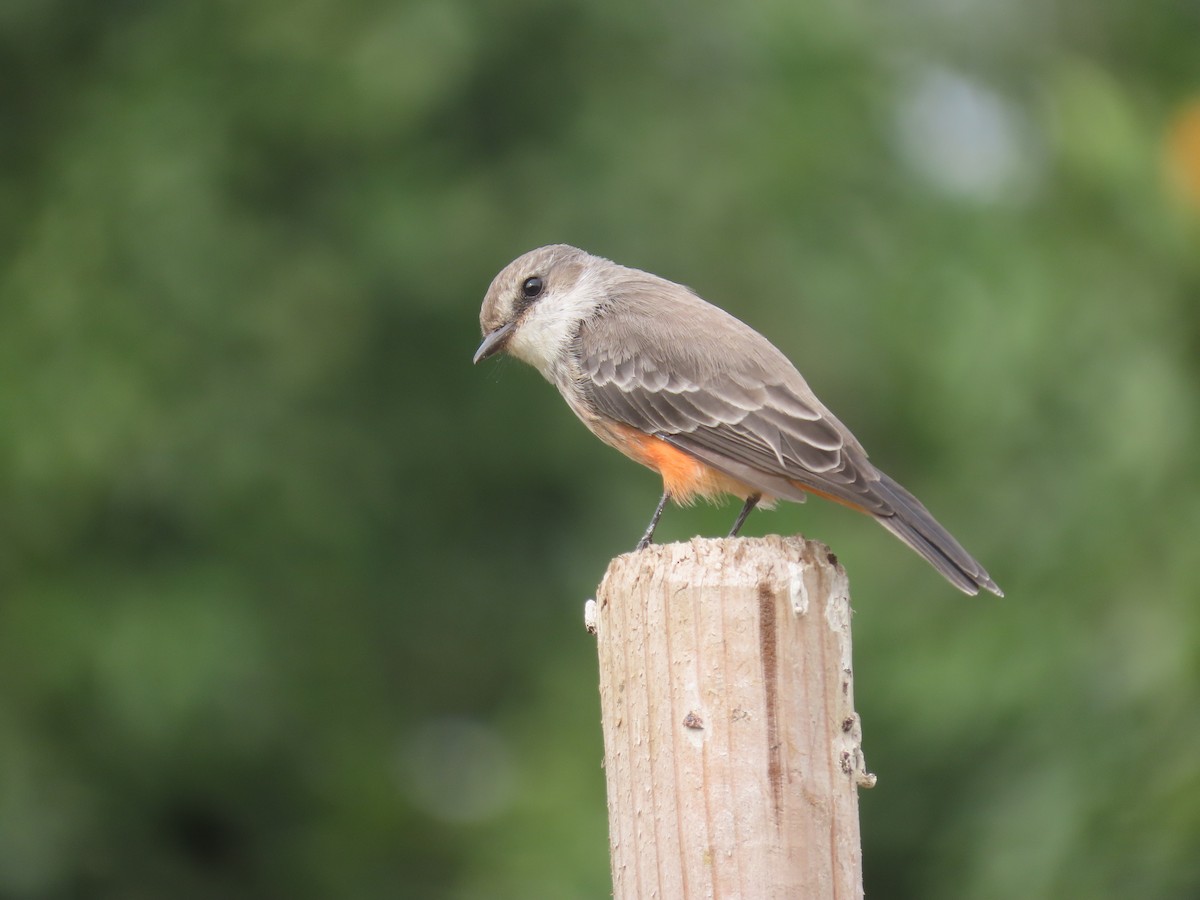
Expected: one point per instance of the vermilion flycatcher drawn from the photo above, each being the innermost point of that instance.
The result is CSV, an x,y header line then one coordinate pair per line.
x,y
683,387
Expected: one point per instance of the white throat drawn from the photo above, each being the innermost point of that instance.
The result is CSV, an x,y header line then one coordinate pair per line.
x,y
549,326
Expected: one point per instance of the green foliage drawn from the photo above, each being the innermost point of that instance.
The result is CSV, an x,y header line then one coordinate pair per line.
x,y
291,596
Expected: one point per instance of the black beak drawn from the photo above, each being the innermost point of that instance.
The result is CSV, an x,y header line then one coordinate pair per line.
x,y
493,342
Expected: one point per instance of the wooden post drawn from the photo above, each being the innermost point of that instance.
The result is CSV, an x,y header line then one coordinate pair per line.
x,y
731,745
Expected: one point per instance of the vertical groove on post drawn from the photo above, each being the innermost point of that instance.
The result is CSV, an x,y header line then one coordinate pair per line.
x,y
732,750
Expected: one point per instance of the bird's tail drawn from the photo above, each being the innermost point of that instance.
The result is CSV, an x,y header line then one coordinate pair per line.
x,y
914,525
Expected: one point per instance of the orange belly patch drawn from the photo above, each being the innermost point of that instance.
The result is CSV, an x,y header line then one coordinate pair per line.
x,y
684,476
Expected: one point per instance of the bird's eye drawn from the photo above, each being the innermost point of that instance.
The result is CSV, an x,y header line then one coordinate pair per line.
x,y
532,287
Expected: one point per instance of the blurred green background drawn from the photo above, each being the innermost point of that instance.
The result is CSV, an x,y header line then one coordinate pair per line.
x,y
291,595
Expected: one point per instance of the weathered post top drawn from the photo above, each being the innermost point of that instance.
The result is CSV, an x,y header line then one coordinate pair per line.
x,y
731,745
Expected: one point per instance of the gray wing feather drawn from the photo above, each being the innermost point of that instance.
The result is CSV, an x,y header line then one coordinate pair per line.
x,y
734,401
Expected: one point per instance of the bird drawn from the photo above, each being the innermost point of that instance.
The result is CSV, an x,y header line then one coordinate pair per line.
x,y
688,390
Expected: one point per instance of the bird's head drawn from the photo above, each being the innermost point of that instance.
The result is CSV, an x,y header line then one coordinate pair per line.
x,y
535,305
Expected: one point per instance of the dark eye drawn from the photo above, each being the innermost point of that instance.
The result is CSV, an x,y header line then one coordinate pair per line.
x,y
532,287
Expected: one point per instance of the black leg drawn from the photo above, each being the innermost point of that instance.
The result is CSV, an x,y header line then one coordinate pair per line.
x,y
751,502
649,535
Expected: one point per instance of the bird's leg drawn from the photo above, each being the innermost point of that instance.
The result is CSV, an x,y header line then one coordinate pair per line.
x,y
649,535
751,502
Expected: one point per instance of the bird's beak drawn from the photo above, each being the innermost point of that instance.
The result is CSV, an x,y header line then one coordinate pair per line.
x,y
493,342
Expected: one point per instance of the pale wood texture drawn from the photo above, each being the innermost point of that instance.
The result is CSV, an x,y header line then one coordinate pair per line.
x,y
731,745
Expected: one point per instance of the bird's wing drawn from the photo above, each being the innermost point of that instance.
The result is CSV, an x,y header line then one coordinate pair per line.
x,y
700,379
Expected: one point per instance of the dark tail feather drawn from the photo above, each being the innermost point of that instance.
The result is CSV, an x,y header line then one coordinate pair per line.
x,y
913,524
